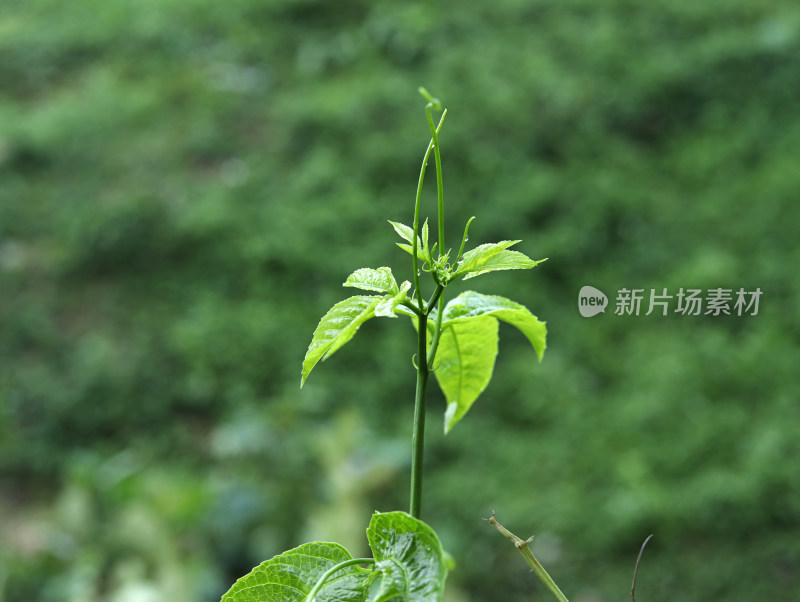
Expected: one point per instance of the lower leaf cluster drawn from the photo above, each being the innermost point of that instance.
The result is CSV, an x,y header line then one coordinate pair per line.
x,y
409,565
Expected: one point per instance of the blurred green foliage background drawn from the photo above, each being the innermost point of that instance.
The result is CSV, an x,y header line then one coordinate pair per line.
x,y
184,186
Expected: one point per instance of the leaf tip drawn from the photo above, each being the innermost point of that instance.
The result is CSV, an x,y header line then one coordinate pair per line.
x,y
543,347
450,416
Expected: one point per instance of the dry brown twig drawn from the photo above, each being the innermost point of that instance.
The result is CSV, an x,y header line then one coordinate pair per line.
x,y
636,569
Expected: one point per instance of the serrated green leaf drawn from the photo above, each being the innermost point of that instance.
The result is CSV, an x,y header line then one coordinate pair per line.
x,y
504,260
426,251
407,248
468,346
289,577
337,327
410,557
474,258
410,251
380,280
407,234
464,363
388,306
470,304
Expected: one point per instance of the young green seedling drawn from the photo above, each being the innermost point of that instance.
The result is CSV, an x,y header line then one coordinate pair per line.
x,y
458,342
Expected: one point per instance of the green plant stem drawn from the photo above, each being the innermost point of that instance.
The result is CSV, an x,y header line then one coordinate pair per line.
x,y
439,187
418,436
437,331
422,170
435,297
464,241
424,362
326,575
407,305
522,546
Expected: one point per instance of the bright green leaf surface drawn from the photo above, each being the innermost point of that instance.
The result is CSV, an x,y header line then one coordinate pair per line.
x,y
290,576
470,304
380,280
426,250
464,363
387,307
394,581
337,327
474,258
407,234
407,248
410,557
504,260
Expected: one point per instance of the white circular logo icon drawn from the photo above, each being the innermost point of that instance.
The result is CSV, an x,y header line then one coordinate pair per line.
x,y
591,301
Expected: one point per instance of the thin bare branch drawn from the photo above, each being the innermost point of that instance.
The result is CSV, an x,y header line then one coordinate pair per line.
x,y
527,554
636,570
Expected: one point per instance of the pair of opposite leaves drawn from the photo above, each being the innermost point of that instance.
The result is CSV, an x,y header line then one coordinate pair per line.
x,y
468,342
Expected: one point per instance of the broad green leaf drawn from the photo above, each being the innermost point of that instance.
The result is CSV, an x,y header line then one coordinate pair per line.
x,y
468,346
409,556
337,327
380,280
470,304
504,260
474,258
464,363
289,577
388,306
394,581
